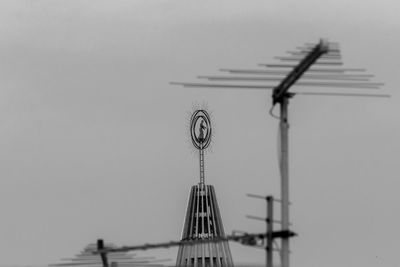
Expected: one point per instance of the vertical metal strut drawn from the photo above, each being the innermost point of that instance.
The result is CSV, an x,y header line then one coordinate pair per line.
x,y
284,168
103,255
270,230
201,152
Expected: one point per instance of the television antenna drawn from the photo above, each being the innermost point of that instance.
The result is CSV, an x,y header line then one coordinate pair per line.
x,y
87,258
316,64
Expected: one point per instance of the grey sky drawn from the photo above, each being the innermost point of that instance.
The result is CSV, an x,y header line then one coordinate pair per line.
x,y
94,138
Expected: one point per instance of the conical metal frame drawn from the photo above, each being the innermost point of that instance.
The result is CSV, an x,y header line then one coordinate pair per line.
x,y
203,221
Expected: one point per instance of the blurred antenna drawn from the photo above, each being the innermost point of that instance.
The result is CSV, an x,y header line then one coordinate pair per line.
x,y
88,257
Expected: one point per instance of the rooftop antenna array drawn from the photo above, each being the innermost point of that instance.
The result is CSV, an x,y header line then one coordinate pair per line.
x,y
311,65
315,68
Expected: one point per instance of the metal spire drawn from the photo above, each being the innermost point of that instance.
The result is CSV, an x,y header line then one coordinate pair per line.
x,y
200,131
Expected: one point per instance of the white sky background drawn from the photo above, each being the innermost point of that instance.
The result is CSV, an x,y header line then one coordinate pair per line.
x,y
94,141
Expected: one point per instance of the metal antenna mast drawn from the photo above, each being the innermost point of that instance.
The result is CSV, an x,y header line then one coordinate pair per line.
x,y
325,57
281,95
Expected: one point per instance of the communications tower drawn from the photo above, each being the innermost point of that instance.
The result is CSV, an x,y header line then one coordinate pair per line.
x,y
203,220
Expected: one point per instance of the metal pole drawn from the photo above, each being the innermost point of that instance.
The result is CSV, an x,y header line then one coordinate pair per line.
x,y
270,222
201,152
103,255
284,168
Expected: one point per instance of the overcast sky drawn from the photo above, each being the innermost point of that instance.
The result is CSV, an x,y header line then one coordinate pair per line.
x,y
94,140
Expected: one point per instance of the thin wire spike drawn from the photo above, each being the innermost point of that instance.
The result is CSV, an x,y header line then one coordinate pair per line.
x,y
309,49
232,86
340,75
327,56
236,78
304,77
345,85
320,84
303,53
300,58
349,83
334,70
292,66
338,78
243,71
319,62
342,94
255,218
328,63
333,56
270,78
272,72
277,65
